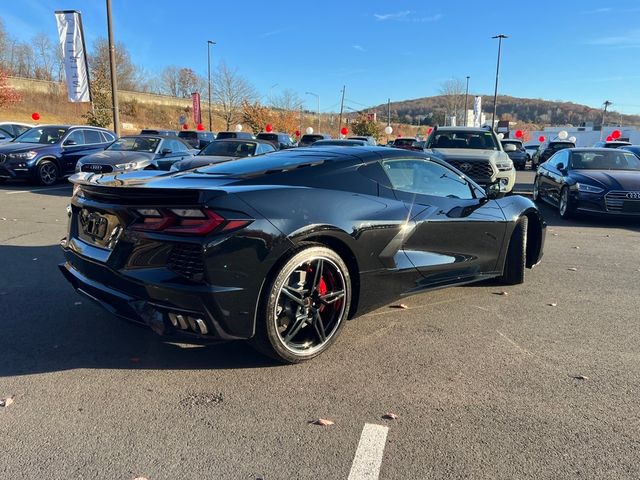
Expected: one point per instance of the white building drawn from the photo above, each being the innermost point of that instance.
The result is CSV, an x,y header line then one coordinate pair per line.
x,y
586,136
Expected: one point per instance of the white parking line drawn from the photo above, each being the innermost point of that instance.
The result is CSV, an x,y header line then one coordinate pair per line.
x,y
368,459
36,190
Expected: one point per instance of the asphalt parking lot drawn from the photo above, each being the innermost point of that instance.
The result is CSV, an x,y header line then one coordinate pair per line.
x,y
540,383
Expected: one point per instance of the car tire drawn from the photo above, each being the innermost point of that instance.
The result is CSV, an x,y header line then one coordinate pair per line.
x,y
304,305
536,190
47,173
565,207
515,263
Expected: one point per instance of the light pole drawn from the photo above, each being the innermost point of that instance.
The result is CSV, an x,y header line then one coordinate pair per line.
x,y
318,99
270,98
604,112
495,92
466,97
209,43
112,66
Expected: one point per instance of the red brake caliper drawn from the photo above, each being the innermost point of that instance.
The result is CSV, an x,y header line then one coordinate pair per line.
x,y
322,290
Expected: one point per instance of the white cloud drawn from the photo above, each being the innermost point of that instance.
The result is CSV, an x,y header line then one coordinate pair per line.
x,y
359,48
392,16
629,40
407,16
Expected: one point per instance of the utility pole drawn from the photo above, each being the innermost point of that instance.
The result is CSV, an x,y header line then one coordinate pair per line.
x,y
466,97
209,43
112,66
388,111
495,92
604,112
341,109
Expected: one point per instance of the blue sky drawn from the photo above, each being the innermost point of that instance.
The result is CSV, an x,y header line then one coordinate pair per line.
x,y
581,51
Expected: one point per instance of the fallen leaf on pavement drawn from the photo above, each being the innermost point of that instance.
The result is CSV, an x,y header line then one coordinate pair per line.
x,y
580,377
555,234
323,422
5,402
3,218
572,269
141,478
576,247
390,416
552,304
503,293
400,305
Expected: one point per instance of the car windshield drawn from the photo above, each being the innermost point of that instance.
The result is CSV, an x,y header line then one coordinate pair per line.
x,y
463,139
604,160
48,135
230,149
517,144
555,146
404,142
268,136
188,135
135,144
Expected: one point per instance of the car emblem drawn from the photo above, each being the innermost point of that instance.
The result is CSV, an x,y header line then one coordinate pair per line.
x,y
94,224
633,195
465,167
95,167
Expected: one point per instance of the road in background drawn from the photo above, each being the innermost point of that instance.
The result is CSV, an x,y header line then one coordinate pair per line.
x,y
539,383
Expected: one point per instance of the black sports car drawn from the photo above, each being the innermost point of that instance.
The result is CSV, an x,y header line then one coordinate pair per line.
x,y
590,180
282,249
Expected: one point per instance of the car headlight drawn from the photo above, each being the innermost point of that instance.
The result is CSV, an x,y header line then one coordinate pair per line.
x,y
583,187
504,165
127,166
30,155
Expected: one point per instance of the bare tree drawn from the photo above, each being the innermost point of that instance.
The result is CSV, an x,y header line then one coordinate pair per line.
x,y
169,80
453,92
287,100
45,56
229,91
125,69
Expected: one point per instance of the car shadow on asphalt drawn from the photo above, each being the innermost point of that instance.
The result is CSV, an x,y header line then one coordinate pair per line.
x,y
553,219
60,189
47,327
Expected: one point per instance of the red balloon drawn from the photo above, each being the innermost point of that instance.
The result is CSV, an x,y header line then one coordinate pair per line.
x,y
344,130
35,116
541,138
185,126
609,138
200,127
297,133
616,134
269,127
519,133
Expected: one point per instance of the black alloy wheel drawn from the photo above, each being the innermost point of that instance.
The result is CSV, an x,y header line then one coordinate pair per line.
x,y
536,190
515,263
565,207
47,173
307,305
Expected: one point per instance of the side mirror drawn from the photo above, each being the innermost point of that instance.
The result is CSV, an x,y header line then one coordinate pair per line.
x,y
560,166
494,191
166,151
510,147
70,143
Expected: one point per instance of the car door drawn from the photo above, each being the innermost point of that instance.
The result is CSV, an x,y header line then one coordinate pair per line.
x,y
171,151
457,233
552,179
73,148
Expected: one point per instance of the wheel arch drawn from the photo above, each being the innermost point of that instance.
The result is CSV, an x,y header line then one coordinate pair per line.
x,y
535,237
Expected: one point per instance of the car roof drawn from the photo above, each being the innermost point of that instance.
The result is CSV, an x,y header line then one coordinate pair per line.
x,y
143,135
242,140
590,149
54,125
462,129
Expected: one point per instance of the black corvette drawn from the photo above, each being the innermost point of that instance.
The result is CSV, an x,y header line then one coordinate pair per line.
x,y
600,181
282,249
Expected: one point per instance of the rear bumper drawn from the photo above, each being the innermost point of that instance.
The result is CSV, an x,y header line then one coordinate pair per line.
x,y
151,303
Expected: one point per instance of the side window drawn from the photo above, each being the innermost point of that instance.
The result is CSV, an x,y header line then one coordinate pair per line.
x,y
76,136
558,158
425,177
107,137
180,147
20,129
92,136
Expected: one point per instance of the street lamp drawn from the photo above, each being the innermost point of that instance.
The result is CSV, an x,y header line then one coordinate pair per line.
x,y
604,112
112,68
495,92
318,99
466,96
209,43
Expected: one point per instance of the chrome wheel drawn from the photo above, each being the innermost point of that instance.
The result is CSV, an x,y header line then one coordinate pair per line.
x,y
310,305
48,173
564,203
536,190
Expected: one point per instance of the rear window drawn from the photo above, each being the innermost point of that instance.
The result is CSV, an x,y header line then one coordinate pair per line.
x,y
189,135
261,164
560,145
268,136
404,142
311,138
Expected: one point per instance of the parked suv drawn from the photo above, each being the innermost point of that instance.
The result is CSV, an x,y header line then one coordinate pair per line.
x,y
307,140
197,138
476,152
10,130
278,139
516,151
547,149
163,133
243,135
49,152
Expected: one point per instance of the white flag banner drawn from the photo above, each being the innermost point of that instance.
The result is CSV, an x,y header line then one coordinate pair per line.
x,y
73,51
477,111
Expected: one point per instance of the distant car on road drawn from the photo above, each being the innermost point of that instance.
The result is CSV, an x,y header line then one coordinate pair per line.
x,y
10,130
547,149
47,153
611,144
518,156
591,180
243,135
308,139
225,150
162,133
406,143
340,143
137,152
531,149
279,140
369,139
198,139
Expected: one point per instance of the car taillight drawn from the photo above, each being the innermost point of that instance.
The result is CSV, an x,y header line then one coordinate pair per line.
x,y
184,221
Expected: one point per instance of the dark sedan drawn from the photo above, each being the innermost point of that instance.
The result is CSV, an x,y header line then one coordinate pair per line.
x,y
283,249
590,180
547,149
137,152
516,152
220,151
49,152
339,143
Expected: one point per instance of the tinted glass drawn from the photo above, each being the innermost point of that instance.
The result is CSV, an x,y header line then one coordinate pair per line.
x,y
92,136
20,129
108,138
272,137
188,135
426,178
483,140
556,146
4,132
137,144
605,160
42,135
404,142
76,136
230,149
